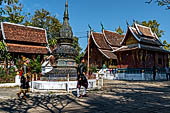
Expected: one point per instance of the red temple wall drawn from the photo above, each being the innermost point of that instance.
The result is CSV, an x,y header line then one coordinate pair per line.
x,y
95,56
142,59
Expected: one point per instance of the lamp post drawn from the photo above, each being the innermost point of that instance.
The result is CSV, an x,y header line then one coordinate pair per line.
x,y
88,62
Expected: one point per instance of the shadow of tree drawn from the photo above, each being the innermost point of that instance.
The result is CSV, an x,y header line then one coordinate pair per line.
x,y
49,103
127,98
115,97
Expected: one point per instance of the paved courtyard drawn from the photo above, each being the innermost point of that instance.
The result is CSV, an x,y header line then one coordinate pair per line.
x,y
114,97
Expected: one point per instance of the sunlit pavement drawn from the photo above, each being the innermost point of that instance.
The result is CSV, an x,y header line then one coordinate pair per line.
x,y
114,97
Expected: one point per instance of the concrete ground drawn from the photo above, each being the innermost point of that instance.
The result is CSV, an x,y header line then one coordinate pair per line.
x,y
115,97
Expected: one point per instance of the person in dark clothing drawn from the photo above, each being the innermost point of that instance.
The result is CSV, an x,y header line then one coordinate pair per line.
x,y
81,78
25,79
167,72
23,86
154,72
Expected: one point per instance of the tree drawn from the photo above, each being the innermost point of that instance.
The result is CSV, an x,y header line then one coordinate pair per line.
x,y
154,25
4,55
11,11
76,45
161,3
167,46
43,19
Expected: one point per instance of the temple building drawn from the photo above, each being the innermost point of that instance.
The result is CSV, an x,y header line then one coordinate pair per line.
x,y
24,40
141,48
138,48
101,47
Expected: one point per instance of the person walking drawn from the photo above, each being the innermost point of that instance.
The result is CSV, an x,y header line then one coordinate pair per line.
x,y
23,88
25,79
81,78
154,72
167,73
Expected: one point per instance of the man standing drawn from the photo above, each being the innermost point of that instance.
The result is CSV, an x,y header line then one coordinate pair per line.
x,y
81,78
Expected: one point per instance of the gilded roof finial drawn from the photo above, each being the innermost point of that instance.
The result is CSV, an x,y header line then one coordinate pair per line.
x,y
66,12
66,3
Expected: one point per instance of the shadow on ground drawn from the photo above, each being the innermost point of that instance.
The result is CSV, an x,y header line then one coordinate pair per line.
x,y
39,103
114,98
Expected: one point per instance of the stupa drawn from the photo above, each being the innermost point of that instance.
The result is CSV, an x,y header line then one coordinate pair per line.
x,y
64,53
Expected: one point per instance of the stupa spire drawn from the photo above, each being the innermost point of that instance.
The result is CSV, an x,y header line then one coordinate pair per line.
x,y
66,17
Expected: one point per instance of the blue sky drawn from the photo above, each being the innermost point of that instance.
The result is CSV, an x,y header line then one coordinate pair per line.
x,y
111,13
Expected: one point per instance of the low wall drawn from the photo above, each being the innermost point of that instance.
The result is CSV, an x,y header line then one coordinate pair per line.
x,y
51,85
142,76
134,74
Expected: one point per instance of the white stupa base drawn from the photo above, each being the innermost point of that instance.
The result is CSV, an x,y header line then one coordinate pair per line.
x,y
53,85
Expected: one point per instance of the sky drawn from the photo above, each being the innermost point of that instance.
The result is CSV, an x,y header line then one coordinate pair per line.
x,y
111,13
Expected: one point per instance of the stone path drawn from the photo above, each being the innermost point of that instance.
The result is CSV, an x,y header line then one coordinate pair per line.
x,y
115,97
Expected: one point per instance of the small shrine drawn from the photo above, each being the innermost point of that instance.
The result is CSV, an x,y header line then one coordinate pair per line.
x,y
24,40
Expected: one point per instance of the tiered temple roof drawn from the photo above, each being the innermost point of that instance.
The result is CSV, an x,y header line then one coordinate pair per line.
x,y
113,38
100,41
141,37
106,42
24,39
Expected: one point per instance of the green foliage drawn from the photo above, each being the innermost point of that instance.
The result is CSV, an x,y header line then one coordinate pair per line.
x,y
119,30
154,25
7,78
4,55
78,57
76,45
161,3
93,69
43,19
167,46
11,11
52,42
35,65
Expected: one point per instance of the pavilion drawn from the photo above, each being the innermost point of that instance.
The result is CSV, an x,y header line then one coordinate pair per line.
x,y
24,40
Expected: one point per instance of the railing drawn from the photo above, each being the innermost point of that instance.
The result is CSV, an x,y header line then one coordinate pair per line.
x,y
137,70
